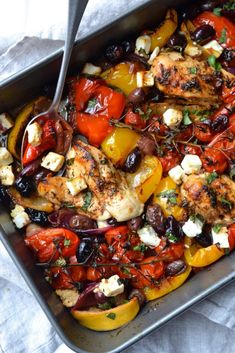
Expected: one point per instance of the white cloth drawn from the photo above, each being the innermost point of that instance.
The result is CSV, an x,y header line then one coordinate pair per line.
x,y
208,327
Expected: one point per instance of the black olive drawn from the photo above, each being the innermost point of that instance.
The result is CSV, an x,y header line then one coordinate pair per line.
x,y
220,123
136,96
139,294
80,221
175,267
25,185
177,42
203,34
205,238
128,46
114,53
155,217
5,198
84,250
174,231
147,145
154,95
133,161
135,223
38,217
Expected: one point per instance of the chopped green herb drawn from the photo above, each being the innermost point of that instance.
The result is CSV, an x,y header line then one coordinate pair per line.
x,y
141,247
211,177
60,262
171,196
87,200
67,242
104,161
192,70
70,161
67,205
217,11
230,5
171,237
145,115
186,117
223,37
217,228
125,270
48,279
105,306
214,63
226,203
111,316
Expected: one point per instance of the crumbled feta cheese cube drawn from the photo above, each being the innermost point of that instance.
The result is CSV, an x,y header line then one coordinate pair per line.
x,y
53,161
76,185
176,174
221,237
172,117
5,122
214,48
20,217
143,43
191,164
91,69
6,175
5,157
68,297
34,134
193,50
192,228
148,236
153,55
102,224
111,286
144,79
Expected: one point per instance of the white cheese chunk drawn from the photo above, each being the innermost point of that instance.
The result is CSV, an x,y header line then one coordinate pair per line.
x,y
20,217
192,228
91,69
153,55
148,236
214,48
102,224
68,297
191,164
76,185
177,174
193,50
172,117
143,43
111,286
53,161
34,134
5,157
5,122
6,175
144,79
221,237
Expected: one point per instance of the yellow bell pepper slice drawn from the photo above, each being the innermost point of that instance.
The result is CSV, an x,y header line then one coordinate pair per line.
x,y
160,37
167,285
108,320
123,76
146,178
170,205
119,144
197,256
29,111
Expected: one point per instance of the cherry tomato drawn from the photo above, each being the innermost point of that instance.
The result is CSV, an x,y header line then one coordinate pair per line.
x,y
185,134
214,160
156,125
116,234
169,160
170,252
134,119
203,132
49,244
189,149
149,273
59,279
77,273
231,236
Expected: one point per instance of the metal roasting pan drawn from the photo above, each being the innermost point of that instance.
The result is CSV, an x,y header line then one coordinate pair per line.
x,y
21,88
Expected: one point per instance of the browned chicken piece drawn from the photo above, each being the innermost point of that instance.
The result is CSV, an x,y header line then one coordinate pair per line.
x,y
214,201
106,193
184,77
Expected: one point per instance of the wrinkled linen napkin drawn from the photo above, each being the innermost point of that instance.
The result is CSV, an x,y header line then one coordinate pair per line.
x,y
208,327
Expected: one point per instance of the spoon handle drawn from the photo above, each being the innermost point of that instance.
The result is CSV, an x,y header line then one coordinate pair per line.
x,y
75,13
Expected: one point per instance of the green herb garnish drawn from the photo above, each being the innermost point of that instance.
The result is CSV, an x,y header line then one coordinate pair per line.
x,y
141,247
171,237
67,205
170,195
230,5
67,242
223,37
226,203
192,70
87,200
217,11
60,262
211,177
105,306
186,117
111,316
214,63
70,161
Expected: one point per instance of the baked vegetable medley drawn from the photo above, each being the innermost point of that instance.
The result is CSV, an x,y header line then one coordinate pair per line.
x,y
133,191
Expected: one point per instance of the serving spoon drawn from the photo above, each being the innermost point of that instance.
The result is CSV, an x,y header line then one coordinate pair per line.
x,y
76,9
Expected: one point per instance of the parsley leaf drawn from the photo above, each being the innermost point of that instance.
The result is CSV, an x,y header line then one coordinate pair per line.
x,y
87,200
211,177
192,70
230,5
105,306
171,196
186,117
223,37
111,316
67,242
214,63
217,228
60,262
70,161
141,247
217,11
171,237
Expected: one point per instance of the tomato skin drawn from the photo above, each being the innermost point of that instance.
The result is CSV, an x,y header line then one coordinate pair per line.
x,y
186,149
43,243
116,234
172,252
59,278
169,160
203,132
77,273
219,23
134,119
214,161
148,273
231,236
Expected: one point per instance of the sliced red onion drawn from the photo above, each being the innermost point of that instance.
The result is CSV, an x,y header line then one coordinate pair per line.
x,y
231,70
31,168
61,218
95,231
87,298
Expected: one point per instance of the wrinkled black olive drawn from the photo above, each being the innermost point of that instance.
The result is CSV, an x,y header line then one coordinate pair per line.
x,y
82,222
210,5
138,294
175,267
177,42
133,161
174,231
114,53
128,46
205,238
38,217
155,217
147,145
203,34
220,123
135,223
25,185
5,198
136,96
84,250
